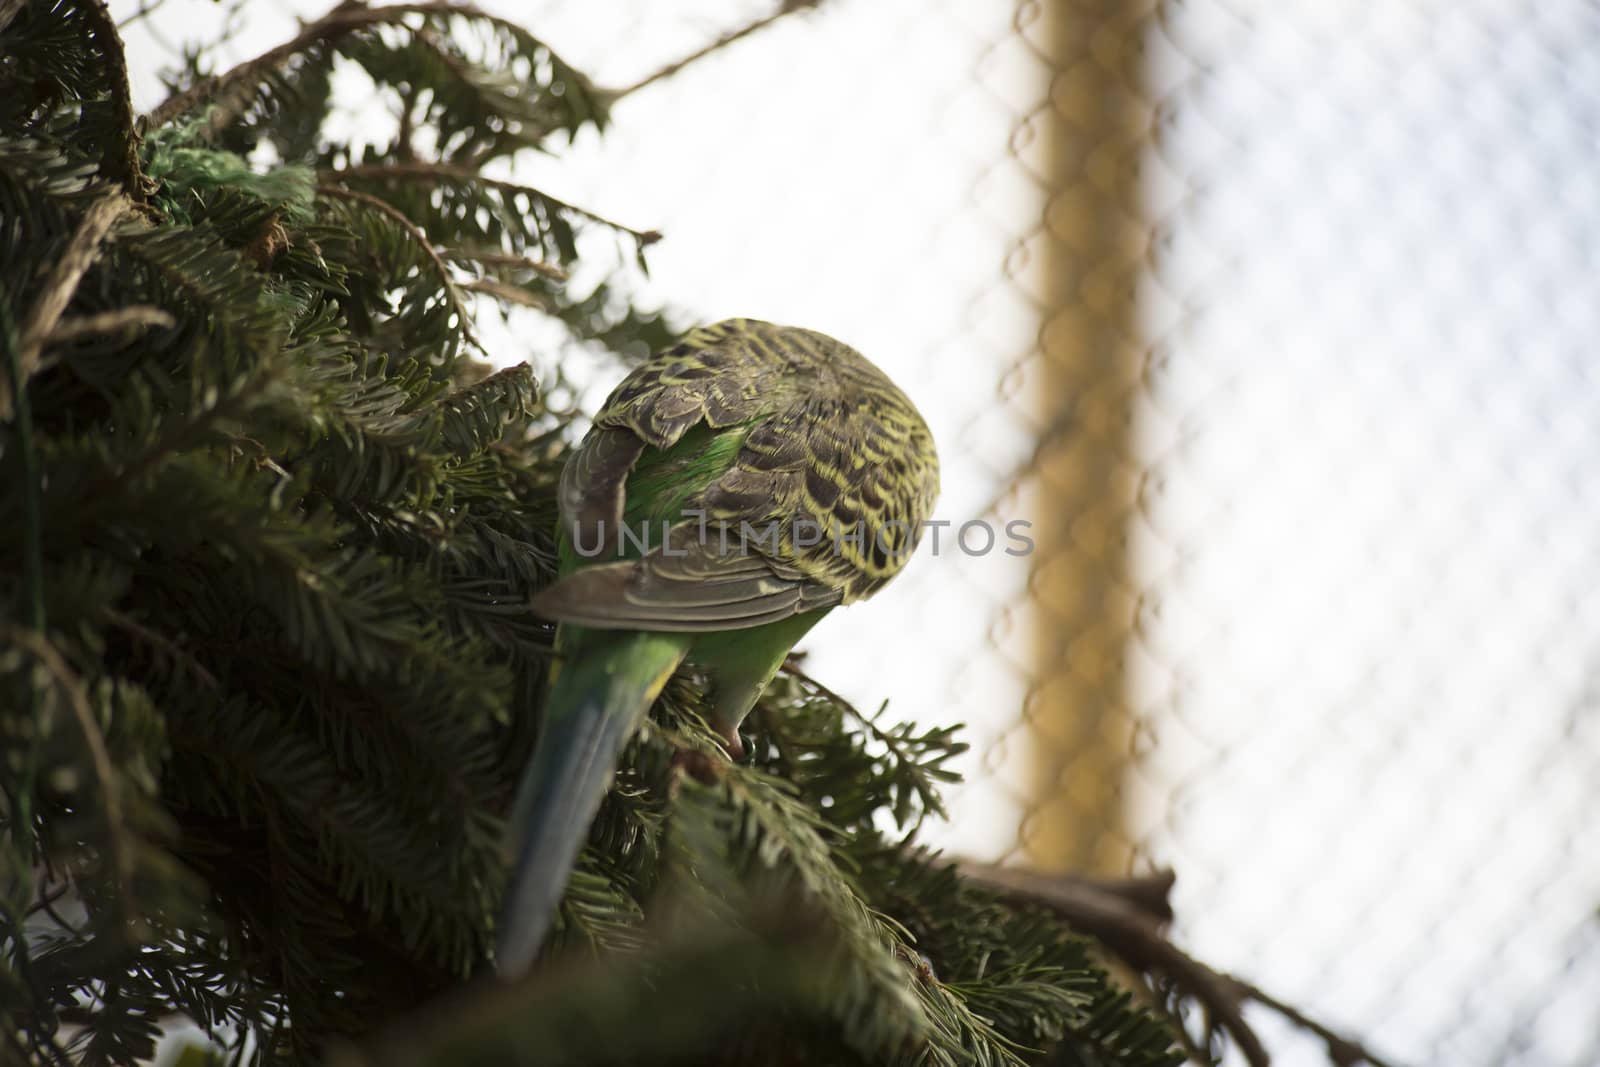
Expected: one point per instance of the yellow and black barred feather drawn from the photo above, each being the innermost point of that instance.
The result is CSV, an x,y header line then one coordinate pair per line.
x,y
823,503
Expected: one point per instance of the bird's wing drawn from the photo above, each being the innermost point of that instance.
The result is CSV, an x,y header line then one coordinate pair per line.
x,y
822,504
686,587
848,480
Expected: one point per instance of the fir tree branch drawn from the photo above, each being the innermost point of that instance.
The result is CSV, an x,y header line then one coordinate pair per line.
x,y
902,748
228,92
446,279
432,172
788,7
58,287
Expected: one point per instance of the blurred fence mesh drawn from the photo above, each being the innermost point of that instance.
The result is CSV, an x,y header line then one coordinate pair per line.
x,y
1274,319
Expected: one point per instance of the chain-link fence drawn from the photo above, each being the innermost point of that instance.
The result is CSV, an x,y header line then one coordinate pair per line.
x,y
1272,319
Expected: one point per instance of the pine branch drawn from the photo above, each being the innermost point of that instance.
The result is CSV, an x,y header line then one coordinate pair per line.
x,y
228,93
447,280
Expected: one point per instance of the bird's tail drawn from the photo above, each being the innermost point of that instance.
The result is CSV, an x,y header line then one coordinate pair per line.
x,y
606,683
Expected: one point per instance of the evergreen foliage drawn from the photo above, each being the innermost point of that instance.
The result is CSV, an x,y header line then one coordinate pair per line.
x,y
266,676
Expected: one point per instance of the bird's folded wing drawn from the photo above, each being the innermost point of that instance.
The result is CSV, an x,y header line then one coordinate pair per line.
x,y
682,587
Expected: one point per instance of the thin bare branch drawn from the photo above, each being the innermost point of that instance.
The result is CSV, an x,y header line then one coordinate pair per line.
x,y
48,896
1132,936
132,317
493,258
436,171
509,294
1125,924
789,7
9,9
165,645
1343,1051
58,287
120,161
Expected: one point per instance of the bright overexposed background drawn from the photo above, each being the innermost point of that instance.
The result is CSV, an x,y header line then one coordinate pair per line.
x,y
1275,319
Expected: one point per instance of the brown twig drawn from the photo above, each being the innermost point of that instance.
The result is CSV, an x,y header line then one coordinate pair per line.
x,y
452,290
1130,935
492,258
788,7
134,316
435,171
164,644
120,162
506,293
47,897
1124,923
1343,1051
10,9
58,287
228,91
1148,897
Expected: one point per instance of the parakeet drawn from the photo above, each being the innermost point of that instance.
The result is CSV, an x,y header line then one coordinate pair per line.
x,y
733,490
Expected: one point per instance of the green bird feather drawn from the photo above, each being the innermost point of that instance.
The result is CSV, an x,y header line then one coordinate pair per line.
x,y
733,490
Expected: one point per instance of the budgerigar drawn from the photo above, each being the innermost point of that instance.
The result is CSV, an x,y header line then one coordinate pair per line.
x,y
733,490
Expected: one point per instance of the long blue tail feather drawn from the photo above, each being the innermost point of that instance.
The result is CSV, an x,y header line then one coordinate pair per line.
x,y
601,692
